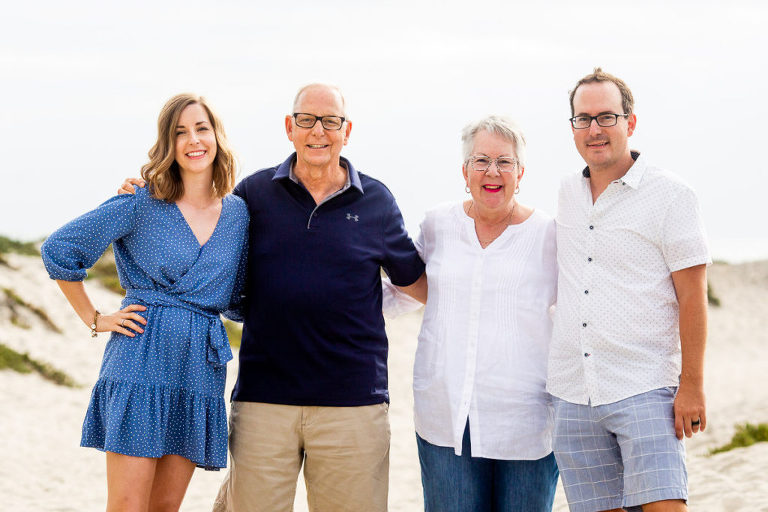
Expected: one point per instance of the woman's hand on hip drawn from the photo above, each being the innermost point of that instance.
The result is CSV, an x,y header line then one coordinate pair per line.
x,y
125,321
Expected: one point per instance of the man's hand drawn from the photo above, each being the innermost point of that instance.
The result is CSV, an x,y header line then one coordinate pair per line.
x,y
127,186
689,408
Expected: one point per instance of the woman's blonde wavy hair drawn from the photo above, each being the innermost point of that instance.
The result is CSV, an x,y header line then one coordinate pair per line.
x,y
162,171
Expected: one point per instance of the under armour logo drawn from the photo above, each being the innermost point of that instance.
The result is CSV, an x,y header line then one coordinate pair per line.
x,y
353,217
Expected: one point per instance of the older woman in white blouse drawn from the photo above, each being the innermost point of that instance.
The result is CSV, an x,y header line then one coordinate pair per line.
x,y
483,417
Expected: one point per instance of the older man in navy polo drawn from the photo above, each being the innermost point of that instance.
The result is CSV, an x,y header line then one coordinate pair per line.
x,y
312,386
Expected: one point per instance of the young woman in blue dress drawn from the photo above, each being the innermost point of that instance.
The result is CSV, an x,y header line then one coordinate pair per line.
x,y
158,409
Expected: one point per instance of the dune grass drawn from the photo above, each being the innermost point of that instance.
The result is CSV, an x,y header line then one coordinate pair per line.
x,y
712,299
105,272
12,360
234,332
10,245
745,435
22,363
14,300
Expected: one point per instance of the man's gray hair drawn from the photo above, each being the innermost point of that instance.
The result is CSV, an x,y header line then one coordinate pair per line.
x,y
320,84
499,125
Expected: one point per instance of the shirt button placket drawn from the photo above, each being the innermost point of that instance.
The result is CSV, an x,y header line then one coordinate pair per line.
x,y
473,329
586,310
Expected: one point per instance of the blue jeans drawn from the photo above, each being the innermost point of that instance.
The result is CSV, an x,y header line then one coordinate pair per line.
x,y
466,484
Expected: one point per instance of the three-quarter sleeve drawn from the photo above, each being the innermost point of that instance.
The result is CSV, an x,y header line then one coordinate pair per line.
x,y
76,246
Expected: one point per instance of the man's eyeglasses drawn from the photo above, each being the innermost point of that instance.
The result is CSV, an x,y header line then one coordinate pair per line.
x,y
309,120
604,120
481,163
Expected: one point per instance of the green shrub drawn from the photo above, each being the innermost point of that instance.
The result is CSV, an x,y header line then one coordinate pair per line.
x,y
22,363
745,435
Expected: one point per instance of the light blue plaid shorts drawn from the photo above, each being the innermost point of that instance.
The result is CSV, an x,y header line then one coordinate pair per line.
x,y
623,454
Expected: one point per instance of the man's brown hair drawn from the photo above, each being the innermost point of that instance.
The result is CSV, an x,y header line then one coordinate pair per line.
x,y
598,75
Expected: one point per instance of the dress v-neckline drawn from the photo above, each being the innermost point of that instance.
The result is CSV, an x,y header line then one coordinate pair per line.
x,y
192,232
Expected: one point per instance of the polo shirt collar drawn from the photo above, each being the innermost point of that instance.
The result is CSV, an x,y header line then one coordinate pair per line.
x,y
633,176
285,170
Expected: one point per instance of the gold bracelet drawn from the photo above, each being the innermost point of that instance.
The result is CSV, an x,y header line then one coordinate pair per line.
x,y
96,316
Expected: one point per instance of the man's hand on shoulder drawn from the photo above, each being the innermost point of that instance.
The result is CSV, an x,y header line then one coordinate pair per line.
x,y
127,186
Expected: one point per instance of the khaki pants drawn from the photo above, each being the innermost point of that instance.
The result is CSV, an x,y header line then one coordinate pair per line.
x,y
345,452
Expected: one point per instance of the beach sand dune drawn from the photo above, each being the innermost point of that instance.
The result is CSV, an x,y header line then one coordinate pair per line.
x,y
45,470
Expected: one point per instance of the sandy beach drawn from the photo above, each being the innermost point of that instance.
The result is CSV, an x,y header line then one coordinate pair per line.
x,y
46,470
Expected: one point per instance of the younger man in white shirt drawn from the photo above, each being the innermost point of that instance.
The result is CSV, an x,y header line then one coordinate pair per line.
x,y
627,353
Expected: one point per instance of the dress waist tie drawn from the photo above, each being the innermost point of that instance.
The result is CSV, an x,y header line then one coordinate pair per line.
x,y
218,351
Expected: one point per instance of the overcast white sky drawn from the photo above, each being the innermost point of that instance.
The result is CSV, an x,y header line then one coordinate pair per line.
x,y
83,82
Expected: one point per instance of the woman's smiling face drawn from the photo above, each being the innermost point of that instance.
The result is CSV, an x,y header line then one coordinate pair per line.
x,y
491,188
195,140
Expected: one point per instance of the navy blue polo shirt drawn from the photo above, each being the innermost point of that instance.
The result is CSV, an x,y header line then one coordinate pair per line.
x,y
314,331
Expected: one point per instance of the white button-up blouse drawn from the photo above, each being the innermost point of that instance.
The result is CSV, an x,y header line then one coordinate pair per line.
x,y
482,351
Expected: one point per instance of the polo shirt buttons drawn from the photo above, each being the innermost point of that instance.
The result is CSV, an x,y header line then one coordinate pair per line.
x,y
591,226
584,324
587,354
589,259
586,292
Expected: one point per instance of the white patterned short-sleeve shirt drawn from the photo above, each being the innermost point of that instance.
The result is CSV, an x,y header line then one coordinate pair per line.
x,y
616,322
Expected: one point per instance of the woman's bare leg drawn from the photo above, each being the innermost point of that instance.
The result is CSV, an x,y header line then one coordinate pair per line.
x,y
129,482
172,477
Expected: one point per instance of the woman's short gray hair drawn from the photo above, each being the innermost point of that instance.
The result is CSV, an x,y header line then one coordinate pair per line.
x,y
499,125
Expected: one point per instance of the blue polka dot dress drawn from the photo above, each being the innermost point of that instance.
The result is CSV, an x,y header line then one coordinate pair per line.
x,y
161,392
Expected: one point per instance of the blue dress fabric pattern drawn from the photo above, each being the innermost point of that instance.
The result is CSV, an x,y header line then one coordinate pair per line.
x,y
161,392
